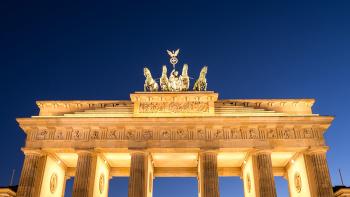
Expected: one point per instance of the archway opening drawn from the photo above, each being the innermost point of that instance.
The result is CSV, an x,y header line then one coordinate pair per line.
x,y
231,185
281,186
175,187
118,187
69,187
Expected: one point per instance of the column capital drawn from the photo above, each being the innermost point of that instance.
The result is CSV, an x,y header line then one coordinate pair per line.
x,y
139,151
317,149
87,151
29,151
202,151
260,150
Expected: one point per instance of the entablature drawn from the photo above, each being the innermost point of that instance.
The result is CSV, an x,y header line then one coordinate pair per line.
x,y
176,104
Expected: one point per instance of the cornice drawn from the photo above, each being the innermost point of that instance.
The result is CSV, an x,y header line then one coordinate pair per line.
x,y
325,121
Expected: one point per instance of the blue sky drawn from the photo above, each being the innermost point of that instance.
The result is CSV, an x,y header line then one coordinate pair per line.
x,y
65,50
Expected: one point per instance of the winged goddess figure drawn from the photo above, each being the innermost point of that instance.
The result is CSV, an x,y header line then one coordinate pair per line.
x,y
173,58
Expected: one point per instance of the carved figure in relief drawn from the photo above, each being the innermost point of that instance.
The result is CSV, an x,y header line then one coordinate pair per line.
x,y
164,81
150,84
197,133
165,135
147,135
297,182
59,135
53,183
253,134
94,135
201,83
111,134
185,79
308,132
76,135
42,135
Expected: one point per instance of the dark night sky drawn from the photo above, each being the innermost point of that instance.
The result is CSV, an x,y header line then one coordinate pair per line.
x,y
57,50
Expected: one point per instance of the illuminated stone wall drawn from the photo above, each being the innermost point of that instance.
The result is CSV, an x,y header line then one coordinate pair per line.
x,y
101,178
248,178
297,178
53,182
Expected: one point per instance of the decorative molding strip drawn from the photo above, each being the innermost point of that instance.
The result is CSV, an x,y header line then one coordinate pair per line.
x,y
171,133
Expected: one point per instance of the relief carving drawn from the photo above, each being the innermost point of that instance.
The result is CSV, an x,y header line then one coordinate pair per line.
x,y
181,134
131,135
53,183
236,133
42,135
94,135
271,133
147,135
253,133
200,134
165,135
308,133
297,182
77,134
174,107
288,133
172,133
101,183
60,135
218,134
111,134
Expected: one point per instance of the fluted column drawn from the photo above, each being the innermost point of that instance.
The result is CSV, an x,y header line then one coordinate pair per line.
x,y
208,175
263,172
139,175
31,175
258,176
84,175
318,174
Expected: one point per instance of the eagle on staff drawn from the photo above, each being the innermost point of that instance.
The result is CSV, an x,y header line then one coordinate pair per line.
x,y
173,58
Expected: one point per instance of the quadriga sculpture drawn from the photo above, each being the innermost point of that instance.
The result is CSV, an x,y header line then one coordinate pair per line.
x,y
150,84
185,79
164,81
201,83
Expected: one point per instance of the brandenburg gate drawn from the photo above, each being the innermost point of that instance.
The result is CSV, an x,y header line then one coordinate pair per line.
x,y
169,131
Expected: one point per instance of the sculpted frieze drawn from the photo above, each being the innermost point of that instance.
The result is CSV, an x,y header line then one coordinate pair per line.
x,y
42,135
165,133
173,107
78,134
235,133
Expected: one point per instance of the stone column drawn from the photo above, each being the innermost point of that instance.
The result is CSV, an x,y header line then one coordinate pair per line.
x,y
31,175
84,175
258,175
265,182
140,175
318,174
208,175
